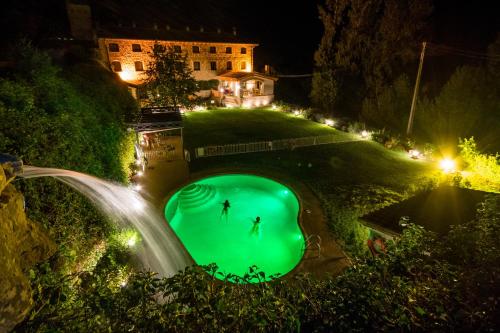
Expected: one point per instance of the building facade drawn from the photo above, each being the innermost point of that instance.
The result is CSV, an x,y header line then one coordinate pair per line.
x,y
130,57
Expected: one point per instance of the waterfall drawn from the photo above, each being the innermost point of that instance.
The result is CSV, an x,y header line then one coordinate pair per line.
x,y
160,250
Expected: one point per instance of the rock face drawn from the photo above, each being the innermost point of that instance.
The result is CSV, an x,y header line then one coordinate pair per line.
x,y
22,244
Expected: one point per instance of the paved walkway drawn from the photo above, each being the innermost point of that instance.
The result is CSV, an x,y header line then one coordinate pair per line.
x,y
160,178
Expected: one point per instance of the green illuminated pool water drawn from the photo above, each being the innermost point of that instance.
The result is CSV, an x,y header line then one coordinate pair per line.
x,y
234,242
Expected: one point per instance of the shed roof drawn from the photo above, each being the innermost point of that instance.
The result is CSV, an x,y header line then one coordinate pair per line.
x,y
157,118
435,210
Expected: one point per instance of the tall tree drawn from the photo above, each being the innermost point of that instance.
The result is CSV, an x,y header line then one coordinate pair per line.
x,y
373,39
169,79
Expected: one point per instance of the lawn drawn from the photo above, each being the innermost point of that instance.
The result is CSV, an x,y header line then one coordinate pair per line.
x,y
351,179
224,126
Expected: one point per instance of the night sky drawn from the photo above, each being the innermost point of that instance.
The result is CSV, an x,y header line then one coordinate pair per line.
x,y
288,31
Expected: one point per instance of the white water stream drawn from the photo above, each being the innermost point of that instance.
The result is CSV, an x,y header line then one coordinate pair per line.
x,y
160,250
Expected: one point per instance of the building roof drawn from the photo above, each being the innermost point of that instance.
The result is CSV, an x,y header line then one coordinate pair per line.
x,y
157,118
170,35
435,210
244,76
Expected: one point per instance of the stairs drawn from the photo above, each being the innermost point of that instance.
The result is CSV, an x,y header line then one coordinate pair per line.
x,y
196,196
231,101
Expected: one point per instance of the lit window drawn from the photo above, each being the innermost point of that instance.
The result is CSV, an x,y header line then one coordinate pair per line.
x,y
116,66
229,65
196,66
243,50
213,66
213,49
136,48
196,49
243,65
229,50
139,67
113,47
177,49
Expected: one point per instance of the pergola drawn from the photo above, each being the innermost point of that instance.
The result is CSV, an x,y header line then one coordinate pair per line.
x,y
159,134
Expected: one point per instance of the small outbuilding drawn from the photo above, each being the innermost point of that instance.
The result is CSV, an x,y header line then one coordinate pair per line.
x,y
246,89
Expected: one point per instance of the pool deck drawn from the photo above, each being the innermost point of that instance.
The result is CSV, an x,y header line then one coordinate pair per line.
x,y
161,179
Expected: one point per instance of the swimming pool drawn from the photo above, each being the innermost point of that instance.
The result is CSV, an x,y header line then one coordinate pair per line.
x,y
234,241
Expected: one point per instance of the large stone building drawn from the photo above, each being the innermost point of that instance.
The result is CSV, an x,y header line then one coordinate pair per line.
x,y
212,55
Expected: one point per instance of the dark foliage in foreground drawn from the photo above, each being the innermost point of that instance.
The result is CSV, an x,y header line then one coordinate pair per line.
x,y
423,284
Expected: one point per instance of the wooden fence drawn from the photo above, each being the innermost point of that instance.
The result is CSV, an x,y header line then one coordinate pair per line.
x,y
253,147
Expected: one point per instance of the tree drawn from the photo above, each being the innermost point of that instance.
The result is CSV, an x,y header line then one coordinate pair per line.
x,y
374,39
169,79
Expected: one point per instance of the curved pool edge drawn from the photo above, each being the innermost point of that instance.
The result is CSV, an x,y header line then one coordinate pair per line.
x,y
242,171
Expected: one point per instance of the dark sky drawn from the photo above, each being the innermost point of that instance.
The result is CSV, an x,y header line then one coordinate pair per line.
x,y
288,31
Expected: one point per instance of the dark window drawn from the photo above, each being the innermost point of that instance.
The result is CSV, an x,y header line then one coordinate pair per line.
x,y
229,50
177,49
243,65
213,66
139,66
196,49
213,49
243,50
113,47
136,48
116,66
229,65
196,66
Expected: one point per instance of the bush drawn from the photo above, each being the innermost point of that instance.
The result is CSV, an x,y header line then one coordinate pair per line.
x,y
483,169
423,283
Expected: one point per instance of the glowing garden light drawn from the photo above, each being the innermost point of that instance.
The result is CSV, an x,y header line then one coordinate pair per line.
x,y
365,134
273,107
447,165
131,241
296,113
329,122
415,154
140,173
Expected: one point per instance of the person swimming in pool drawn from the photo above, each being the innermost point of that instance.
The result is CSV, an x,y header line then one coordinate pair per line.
x,y
225,207
256,223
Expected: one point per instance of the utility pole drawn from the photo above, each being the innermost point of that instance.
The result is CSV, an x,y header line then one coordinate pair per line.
x,y
415,91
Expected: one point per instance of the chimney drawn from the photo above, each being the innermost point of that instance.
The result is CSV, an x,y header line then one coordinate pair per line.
x,y
155,26
167,27
187,28
219,30
202,29
134,25
234,31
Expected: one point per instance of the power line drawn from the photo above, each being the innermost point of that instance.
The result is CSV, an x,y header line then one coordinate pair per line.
x,y
465,53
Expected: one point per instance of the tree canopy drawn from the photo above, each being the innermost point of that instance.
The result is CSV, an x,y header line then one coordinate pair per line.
x,y
169,79
372,40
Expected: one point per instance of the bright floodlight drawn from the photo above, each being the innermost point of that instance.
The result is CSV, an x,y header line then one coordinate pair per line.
x,y
296,112
364,134
273,107
140,173
447,165
329,122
